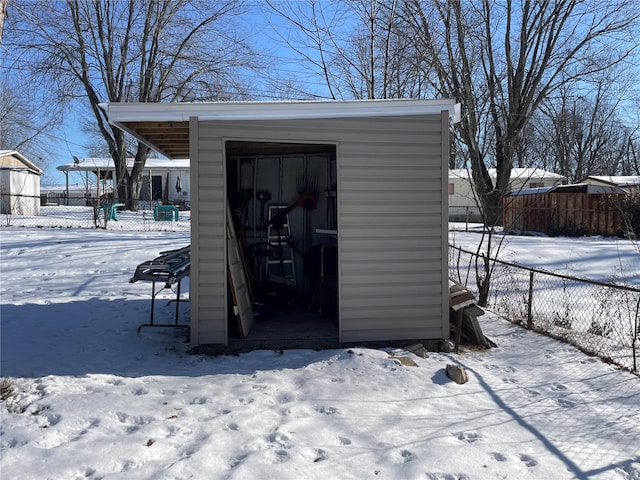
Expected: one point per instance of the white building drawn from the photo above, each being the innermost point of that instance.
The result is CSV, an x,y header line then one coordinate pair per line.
x,y
625,182
463,203
19,184
164,180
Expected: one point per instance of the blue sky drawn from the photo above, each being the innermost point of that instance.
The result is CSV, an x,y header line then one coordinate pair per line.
x,y
69,140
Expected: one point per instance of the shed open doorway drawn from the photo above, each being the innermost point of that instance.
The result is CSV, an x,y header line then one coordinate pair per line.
x,y
283,205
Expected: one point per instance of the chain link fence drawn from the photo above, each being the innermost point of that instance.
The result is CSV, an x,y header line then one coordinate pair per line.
x,y
599,318
151,216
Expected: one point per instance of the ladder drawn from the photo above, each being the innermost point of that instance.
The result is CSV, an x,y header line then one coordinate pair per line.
x,y
280,264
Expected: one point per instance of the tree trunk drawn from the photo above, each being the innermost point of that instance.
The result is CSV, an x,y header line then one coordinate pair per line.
x,y
137,176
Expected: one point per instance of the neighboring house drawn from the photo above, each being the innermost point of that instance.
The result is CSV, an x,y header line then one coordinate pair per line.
x,y
19,184
625,182
367,184
463,204
166,181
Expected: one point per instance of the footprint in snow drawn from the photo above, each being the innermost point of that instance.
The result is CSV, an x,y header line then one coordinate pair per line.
x,y
53,419
528,461
318,455
558,387
564,403
238,460
277,437
467,437
498,457
279,456
406,456
342,441
282,398
326,410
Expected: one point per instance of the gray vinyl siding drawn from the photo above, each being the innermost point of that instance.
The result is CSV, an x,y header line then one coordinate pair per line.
x,y
391,173
208,312
390,230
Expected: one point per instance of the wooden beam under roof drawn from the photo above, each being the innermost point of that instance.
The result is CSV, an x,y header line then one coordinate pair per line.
x,y
170,138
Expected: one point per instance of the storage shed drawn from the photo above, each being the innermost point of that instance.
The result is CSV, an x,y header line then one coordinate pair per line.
x,y
19,184
332,209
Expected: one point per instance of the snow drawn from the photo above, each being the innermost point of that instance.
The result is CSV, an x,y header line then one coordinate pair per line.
x,y
94,399
605,259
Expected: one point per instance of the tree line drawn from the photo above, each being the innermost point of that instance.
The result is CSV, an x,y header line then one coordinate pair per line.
x,y
545,83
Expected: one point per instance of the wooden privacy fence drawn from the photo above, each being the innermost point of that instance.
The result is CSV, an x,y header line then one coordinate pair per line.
x,y
557,213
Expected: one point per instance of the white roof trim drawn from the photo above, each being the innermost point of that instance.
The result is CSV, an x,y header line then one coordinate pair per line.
x,y
93,164
181,112
29,164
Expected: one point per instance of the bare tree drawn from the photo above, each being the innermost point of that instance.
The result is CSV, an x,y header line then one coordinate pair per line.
x,y
134,50
577,135
27,118
359,48
503,59
3,14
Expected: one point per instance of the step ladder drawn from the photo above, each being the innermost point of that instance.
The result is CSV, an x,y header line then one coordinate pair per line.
x,y
280,266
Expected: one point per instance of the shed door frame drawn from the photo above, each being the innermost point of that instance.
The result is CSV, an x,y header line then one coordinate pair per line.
x,y
335,145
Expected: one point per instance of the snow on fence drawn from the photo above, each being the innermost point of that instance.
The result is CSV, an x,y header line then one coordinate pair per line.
x,y
599,318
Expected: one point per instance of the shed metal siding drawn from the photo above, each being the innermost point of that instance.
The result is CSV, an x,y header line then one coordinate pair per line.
x,y
208,243
390,229
391,174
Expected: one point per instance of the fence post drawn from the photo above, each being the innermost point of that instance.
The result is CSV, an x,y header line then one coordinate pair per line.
x,y
530,302
466,223
636,332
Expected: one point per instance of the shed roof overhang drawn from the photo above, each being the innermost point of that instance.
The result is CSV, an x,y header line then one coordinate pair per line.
x,y
165,126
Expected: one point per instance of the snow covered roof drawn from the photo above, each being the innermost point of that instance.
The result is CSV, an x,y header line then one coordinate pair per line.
x,y
165,126
573,188
93,164
516,173
14,160
530,191
618,180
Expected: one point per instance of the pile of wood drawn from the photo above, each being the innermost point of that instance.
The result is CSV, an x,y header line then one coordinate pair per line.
x,y
463,317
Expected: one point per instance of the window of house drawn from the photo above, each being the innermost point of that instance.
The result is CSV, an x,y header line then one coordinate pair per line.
x,y
536,184
451,189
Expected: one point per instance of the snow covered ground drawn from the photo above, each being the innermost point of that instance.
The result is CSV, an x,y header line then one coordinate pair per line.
x,y
94,399
83,217
596,318
605,259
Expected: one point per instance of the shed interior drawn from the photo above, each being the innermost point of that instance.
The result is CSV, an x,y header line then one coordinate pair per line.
x,y
283,202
